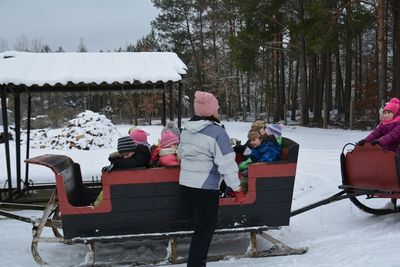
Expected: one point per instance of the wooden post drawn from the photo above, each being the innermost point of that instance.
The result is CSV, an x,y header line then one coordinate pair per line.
x,y
173,255
164,111
253,239
171,101
180,86
6,141
28,143
92,253
17,116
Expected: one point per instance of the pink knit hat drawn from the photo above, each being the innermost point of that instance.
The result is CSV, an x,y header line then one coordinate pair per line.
x,y
139,136
393,105
205,104
168,139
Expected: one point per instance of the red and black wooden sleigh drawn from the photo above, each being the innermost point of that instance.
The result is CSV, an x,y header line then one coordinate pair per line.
x,y
146,203
370,177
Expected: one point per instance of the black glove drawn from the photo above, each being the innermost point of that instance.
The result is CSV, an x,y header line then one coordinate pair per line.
x,y
108,168
375,142
361,142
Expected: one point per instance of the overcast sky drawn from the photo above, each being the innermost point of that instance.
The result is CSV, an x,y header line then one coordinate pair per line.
x,y
103,24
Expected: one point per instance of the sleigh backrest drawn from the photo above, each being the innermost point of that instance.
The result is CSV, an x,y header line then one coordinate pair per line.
x,y
371,167
68,176
289,150
73,186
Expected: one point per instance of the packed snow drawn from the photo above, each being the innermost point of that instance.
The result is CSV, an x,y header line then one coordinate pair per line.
x,y
338,234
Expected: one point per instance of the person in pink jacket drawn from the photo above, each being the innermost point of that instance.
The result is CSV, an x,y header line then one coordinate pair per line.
x,y
387,133
169,149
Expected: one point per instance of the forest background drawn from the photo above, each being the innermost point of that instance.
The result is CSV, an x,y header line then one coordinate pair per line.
x,y
317,62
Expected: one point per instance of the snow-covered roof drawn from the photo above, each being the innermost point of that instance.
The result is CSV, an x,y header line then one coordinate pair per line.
x,y
24,68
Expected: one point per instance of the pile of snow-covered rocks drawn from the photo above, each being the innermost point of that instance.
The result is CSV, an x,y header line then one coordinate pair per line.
x,y
88,131
39,138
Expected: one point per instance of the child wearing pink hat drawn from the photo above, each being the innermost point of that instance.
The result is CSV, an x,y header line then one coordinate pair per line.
x,y
387,133
139,136
168,153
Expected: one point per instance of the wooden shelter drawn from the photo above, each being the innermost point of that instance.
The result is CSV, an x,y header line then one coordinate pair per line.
x,y
26,73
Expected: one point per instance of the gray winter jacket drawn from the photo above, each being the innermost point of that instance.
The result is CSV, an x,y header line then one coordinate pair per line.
x,y
207,156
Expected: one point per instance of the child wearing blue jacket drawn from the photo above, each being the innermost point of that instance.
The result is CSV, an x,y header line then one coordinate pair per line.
x,y
264,148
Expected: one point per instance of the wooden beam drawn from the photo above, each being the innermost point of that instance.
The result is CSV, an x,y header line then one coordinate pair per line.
x,y
180,86
171,101
6,143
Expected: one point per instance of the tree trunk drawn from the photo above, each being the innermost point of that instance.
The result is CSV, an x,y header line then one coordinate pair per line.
x,y
314,85
277,84
396,46
238,94
339,83
303,83
281,95
294,95
320,87
267,86
201,36
248,95
303,71
290,80
349,60
328,87
358,68
381,54
196,58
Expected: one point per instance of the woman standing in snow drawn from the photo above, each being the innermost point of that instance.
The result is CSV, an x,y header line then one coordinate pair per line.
x,y
206,158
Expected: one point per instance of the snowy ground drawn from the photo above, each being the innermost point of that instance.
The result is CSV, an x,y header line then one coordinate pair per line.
x,y
336,235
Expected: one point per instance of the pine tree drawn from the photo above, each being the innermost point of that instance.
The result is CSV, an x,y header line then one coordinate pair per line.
x,y
82,47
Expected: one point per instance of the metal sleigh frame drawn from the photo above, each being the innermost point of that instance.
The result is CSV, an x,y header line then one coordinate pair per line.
x,y
49,219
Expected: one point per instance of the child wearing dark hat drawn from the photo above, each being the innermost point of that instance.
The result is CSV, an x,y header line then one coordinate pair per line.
x,y
129,155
